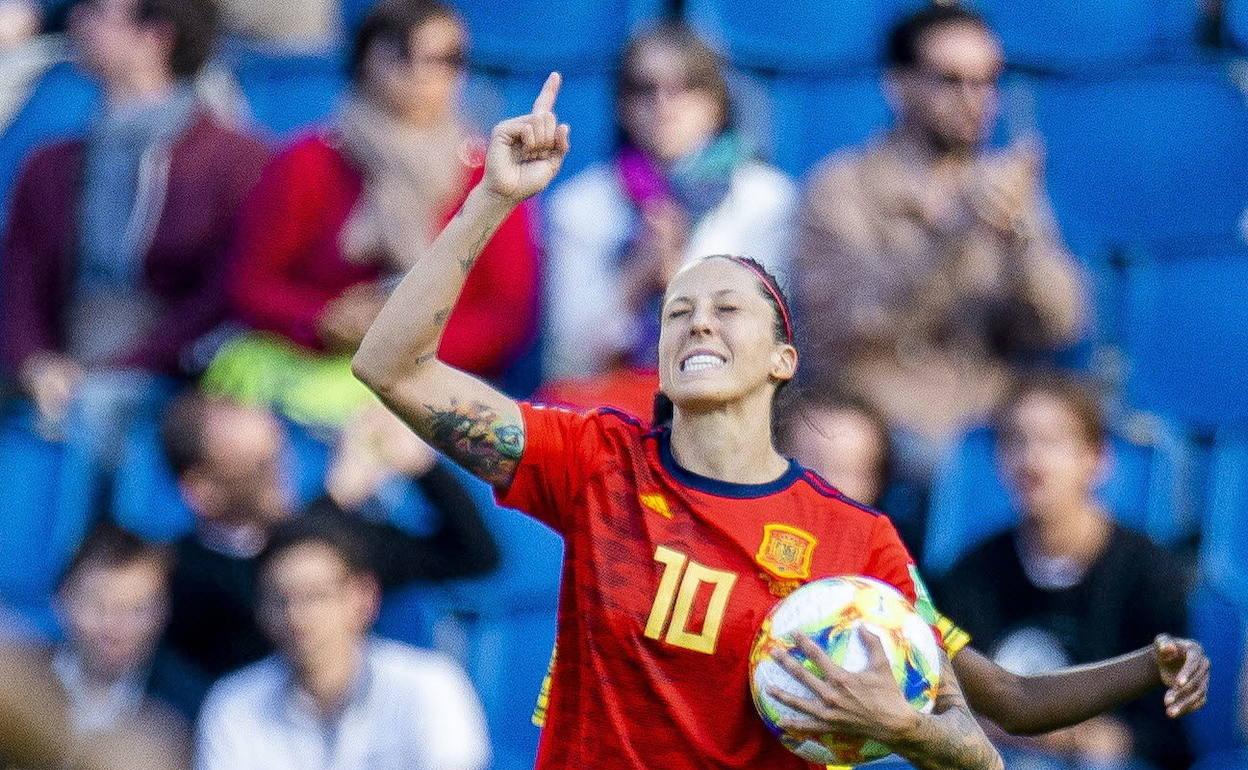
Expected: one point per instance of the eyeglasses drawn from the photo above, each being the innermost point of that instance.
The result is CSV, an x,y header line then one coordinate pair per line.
x,y
649,89
953,81
452,60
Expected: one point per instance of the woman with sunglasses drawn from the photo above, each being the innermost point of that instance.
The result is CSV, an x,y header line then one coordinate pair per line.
x,y
344,211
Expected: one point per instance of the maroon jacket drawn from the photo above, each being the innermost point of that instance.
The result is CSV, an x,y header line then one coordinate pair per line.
x,y
210,171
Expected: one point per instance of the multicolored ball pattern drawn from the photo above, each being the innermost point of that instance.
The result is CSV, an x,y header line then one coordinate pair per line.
x,y
834,612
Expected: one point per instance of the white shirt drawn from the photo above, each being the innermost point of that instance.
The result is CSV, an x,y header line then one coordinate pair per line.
x,y
591,220
411,710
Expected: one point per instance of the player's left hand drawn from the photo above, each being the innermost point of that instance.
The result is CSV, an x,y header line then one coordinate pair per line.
x,y
866,704
1184,669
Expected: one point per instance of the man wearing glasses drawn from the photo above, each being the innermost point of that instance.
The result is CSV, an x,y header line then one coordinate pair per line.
x,y
927,260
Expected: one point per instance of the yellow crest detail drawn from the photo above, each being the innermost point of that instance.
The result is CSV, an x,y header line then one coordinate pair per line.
x,y
656,503
786,552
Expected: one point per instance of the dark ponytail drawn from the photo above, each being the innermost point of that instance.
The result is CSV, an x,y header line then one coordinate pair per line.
x,y
664,410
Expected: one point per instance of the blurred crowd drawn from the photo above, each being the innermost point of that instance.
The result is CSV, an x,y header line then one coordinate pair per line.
x,y
175,274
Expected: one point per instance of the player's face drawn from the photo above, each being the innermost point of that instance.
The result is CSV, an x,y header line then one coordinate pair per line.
x,y
1050,465
717,341
423,87
951,95
662,111
115,614
313,607
845,447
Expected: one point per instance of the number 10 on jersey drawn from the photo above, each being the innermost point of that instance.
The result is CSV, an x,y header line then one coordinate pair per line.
x,y
673,602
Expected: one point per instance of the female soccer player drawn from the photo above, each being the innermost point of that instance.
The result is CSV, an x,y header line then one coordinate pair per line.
x,y
677,541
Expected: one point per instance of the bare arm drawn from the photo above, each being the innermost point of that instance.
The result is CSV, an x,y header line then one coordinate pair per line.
x,y
1029,705
454,412
869,704
949,738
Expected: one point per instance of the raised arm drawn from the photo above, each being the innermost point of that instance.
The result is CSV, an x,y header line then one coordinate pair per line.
x,y
454,412
1029,705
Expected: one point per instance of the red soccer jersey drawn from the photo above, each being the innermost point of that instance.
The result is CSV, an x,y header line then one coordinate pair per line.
x,y
667,577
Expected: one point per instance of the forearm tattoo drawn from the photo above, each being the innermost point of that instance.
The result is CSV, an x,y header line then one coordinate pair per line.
x,y
950,738
476,437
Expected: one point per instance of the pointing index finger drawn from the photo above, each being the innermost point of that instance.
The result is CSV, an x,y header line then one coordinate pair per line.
x,y
545,101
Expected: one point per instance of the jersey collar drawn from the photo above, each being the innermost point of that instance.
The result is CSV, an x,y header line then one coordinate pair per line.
x,y
718,487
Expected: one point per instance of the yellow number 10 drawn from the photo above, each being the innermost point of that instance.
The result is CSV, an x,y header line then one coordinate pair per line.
x,y
678,588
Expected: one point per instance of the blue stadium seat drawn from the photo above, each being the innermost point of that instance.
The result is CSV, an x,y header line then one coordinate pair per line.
x,y
1235,22
507,620
1220,624
1185,336
43,515
816,116
287,93
59,107
508,657
970,504
1059,34
569,35
146,498
1149,154
798,36
1224,547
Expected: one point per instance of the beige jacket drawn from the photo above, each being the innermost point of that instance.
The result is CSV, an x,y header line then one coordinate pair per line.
x,y
910,295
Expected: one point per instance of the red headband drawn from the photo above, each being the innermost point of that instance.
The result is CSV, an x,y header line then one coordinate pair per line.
x,y
775,294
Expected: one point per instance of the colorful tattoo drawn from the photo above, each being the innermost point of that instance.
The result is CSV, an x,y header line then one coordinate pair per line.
x,y
473,435
950,738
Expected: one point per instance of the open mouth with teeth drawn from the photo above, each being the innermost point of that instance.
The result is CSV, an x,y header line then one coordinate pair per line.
x,y
700,362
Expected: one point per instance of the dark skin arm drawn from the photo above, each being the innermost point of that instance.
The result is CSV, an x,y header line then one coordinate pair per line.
x,y
1030,705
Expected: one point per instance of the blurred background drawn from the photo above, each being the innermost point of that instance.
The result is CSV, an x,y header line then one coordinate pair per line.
x,y
1014,235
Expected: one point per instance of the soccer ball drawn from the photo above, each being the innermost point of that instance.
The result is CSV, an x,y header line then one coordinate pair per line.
x,y
833,612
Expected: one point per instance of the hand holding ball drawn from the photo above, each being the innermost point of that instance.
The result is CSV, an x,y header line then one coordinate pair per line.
x,y
837,663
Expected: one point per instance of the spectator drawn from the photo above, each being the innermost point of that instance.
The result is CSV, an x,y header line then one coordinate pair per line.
x,y
1069,586
114,261
925,260
35,731
683,184
333,696
227,459
113,602
846,440
342,212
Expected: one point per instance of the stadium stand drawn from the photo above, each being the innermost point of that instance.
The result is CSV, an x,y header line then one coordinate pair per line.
x,y
58,107
1221,625
501,627
1224,549
43,517
1145,154
1146,141
285,92
814,116
1144,489
1058,35
1184,334
1235,23
797,36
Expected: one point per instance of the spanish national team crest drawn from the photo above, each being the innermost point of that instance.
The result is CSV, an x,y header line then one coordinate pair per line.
x,y
785,554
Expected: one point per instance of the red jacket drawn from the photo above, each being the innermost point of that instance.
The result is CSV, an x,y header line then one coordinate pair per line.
x,y
211,169
288,262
